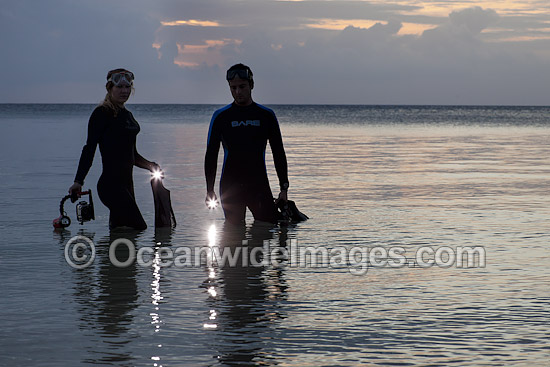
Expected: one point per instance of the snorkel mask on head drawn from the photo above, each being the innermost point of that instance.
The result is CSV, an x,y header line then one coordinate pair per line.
x,y
240,71
242,74
122,78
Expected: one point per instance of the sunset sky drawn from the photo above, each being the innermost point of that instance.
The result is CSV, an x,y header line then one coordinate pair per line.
x,y
314,52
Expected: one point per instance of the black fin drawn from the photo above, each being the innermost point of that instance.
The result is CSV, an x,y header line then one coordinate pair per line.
x,y
164,214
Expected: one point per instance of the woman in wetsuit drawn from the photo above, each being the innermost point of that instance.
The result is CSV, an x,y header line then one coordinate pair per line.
x,y
114,128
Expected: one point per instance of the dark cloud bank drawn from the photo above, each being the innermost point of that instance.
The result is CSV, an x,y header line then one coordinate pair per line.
x,y
62,55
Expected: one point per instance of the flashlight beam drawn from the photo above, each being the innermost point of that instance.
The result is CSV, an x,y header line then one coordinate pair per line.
x,y
157,175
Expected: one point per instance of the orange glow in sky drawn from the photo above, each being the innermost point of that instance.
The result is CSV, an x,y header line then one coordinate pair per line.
x,y
192,22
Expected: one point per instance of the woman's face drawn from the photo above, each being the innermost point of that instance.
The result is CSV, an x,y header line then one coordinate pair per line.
x,y
120,94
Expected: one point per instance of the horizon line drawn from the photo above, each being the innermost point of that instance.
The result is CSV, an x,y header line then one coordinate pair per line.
x,y
291,104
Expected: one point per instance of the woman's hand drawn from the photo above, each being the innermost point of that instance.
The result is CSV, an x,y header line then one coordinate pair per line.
x,y
74,190
154,167
156,171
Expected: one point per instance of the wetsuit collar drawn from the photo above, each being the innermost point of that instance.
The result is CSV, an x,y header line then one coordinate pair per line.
x,y
241,106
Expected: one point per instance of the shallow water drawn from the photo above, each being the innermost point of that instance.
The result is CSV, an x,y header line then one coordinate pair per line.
x,y
406,178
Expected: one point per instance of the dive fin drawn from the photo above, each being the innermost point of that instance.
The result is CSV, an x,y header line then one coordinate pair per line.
x,y
164,214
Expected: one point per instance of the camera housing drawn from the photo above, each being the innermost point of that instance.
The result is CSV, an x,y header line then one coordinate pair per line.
x,y
84,210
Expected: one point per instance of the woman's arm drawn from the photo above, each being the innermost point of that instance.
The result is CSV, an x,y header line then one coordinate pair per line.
x,y
96,128
141,162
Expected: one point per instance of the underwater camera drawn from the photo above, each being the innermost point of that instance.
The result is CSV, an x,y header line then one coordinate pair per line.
x,y
84,210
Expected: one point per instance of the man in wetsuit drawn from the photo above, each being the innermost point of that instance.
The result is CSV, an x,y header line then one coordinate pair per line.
x,y
244,128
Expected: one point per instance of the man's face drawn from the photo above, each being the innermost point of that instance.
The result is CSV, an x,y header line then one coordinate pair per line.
x,y
241,91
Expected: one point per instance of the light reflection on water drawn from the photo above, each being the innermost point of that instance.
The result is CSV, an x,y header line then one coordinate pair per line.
x,y
368,186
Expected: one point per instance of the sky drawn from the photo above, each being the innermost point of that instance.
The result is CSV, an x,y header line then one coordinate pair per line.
x,y
301,52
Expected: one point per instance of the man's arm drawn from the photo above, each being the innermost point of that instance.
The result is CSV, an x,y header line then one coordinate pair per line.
x,y
279,158
211,156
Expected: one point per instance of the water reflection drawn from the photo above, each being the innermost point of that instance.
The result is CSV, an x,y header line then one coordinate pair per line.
x,y
106,296
244,297
162,238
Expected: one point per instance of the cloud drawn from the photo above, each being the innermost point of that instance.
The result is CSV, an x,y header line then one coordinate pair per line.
x,y
374,52
449,64
191,22
473,19
60,44
209,53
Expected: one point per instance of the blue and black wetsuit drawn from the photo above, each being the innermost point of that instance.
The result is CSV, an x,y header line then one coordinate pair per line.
x,y
116,136
244,132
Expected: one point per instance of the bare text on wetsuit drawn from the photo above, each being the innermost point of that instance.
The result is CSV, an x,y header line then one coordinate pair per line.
x,y
245,123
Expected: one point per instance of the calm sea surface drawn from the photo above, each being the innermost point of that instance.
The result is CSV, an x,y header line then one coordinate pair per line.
x,y
375,181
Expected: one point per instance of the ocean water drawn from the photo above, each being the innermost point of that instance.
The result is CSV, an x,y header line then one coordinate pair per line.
x,y
381,185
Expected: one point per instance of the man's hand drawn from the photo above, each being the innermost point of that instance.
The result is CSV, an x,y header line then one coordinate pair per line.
x,y
283,196
211,200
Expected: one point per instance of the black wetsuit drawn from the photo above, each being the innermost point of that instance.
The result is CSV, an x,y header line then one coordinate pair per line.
x,y
244,132
116,137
